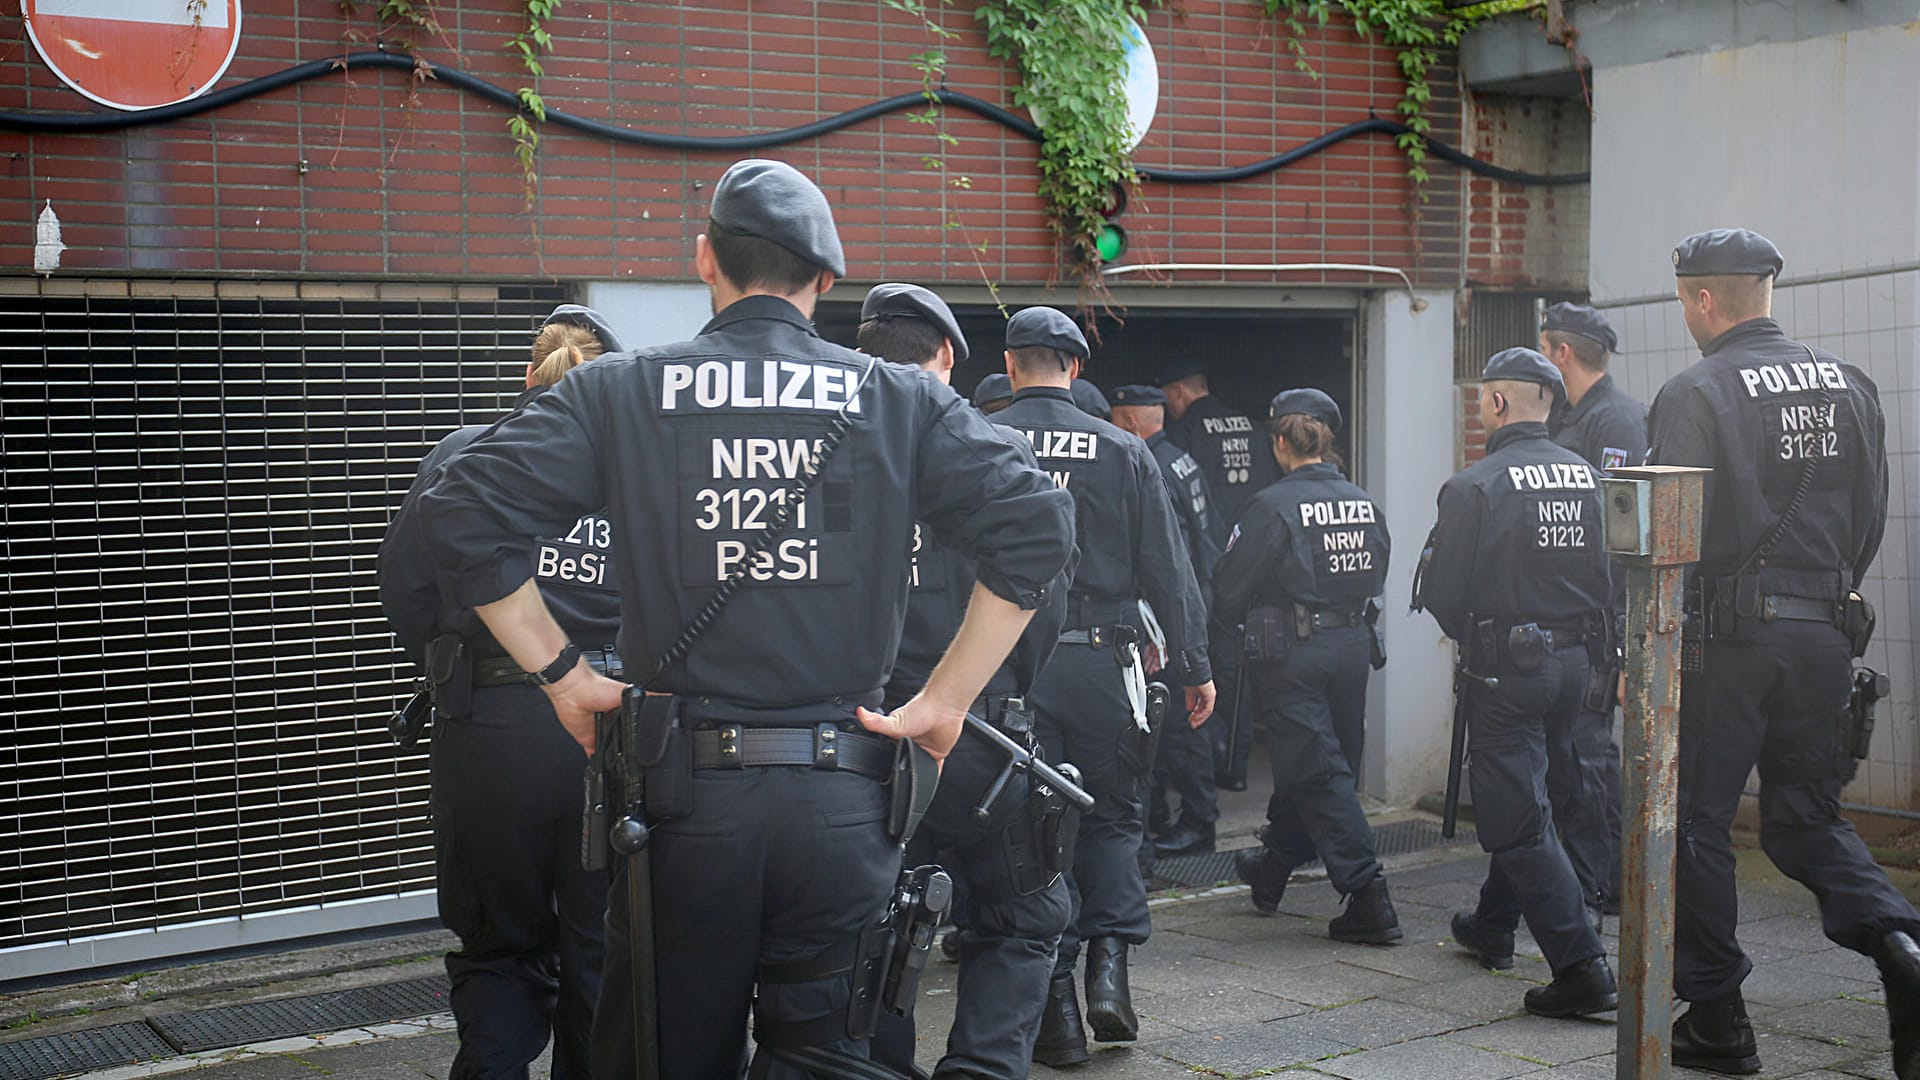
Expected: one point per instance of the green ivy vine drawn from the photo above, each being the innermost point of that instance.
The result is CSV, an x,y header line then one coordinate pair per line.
x,y
1418,29
528,44
1071,55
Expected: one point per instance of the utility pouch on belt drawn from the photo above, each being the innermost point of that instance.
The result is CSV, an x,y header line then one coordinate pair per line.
x,y
909,789
1526,648
661,749
450,677
1269,634
1376,645
1055,824
1856,621
1484,657
893,952
1138,748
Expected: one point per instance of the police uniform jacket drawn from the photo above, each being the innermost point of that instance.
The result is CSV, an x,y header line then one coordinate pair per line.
x,y
1312,538
1130,546
1761,410
1200,524
693,446
1607,427
574,569
1230,448
1518,538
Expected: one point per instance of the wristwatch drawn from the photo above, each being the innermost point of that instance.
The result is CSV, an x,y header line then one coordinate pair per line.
x,y
568,659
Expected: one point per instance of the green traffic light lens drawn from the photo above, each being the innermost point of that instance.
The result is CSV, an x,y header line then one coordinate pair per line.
x,y
1111,243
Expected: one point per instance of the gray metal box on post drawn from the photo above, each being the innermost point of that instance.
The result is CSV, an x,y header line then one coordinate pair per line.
x,y
1652,520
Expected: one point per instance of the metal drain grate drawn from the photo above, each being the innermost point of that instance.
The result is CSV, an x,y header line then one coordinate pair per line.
x,y
1392,838
80,1051
237,1025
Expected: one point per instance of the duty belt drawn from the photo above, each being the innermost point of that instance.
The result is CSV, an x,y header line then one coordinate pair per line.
x,y
1100,637
1798,609
1329,619
824,746
504,671
1007,712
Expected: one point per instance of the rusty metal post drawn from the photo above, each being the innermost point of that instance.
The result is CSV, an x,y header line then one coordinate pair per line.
x,y
1653,531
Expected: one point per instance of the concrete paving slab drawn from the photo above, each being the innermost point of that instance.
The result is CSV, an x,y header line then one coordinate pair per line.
x,y
1212,1008
1375,1023
1842,1021
1250,1051
1428,1059
1552,1042
1786,983
1335,984
1483,996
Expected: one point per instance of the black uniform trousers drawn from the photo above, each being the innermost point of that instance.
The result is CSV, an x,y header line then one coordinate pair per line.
x,y
506,812
1185,763
774,866
1314,704
1007,942
1531,875
1584,794
1772,698
1223,650
1080,713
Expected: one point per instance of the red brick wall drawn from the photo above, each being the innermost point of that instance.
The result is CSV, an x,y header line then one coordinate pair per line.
x,y
1473,433
352,176
1529,236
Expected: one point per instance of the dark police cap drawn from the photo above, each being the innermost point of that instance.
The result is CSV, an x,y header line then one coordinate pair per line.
x,y
1525,365
1178,370
589,318
995,387
898,300
1088,398
1138,395
1726,251
775,201
1045,327
1581,320
1309,402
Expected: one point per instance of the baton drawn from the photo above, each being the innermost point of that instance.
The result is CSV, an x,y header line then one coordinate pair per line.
x,y
1025,759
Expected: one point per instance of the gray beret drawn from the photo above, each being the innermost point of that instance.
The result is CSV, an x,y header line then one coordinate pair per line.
x,y
1048,328
1138,395
1178,370
1088,398
1306,401
1726,251
775,201
1525,365
995,387
898,300
1581,320
589,318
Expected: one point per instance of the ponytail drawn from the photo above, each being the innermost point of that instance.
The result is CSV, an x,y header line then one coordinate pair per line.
x,y
559,348
1306,436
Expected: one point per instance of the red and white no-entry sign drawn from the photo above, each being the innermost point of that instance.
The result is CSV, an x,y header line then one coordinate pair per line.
x,y
135,54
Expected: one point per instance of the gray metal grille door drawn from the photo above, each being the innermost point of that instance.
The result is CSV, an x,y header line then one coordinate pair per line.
x,y
196,672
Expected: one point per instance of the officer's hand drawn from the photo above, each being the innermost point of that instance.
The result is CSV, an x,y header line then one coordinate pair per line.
x,y
577,697
931,725
1200,703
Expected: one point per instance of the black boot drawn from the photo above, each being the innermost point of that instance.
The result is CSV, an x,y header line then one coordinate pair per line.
x,y
1495,948
1716,1036
1063,1038
1582,989
1109,1002
1369,918
1899,960
1263,870
1188,837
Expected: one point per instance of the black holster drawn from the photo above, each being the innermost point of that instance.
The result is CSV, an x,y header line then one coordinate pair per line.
x,y
892,953
1857,621
450,677
1526,648
1376,644
1869,686
910,789
1138,749
1603,664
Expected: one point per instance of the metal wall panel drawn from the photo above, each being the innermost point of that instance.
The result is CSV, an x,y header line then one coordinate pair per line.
x,y
194,480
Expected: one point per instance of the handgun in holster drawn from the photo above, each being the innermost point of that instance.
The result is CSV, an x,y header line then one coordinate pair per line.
x,y
1857,621
1603,663
642,768
1376,644
410,722
1138,749
1869,686
892,953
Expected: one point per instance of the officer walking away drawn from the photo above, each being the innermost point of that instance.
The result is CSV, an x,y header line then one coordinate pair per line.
x,y
1231,453
1606,426
1010,896
1308,556
1184,768
1089,703
506,777
1517,576
1794,512
762,486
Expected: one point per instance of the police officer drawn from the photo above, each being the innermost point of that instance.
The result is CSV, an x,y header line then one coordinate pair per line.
x,y
772,853
993,393
1090,400
1185,764
1089,702
506,778
1795,507
1011,903
1230,451
1309,552
1606,426
1517,575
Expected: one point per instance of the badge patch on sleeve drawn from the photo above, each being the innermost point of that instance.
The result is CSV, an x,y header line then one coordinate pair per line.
x,y
1612,457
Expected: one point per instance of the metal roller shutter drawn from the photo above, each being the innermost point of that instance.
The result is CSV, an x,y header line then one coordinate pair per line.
x,y
195,481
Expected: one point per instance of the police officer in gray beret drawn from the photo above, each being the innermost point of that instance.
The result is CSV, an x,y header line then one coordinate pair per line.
x,y
1307,557
1011,902
993,393
1515,572
1089,702
1184,768
773,845
1795,509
